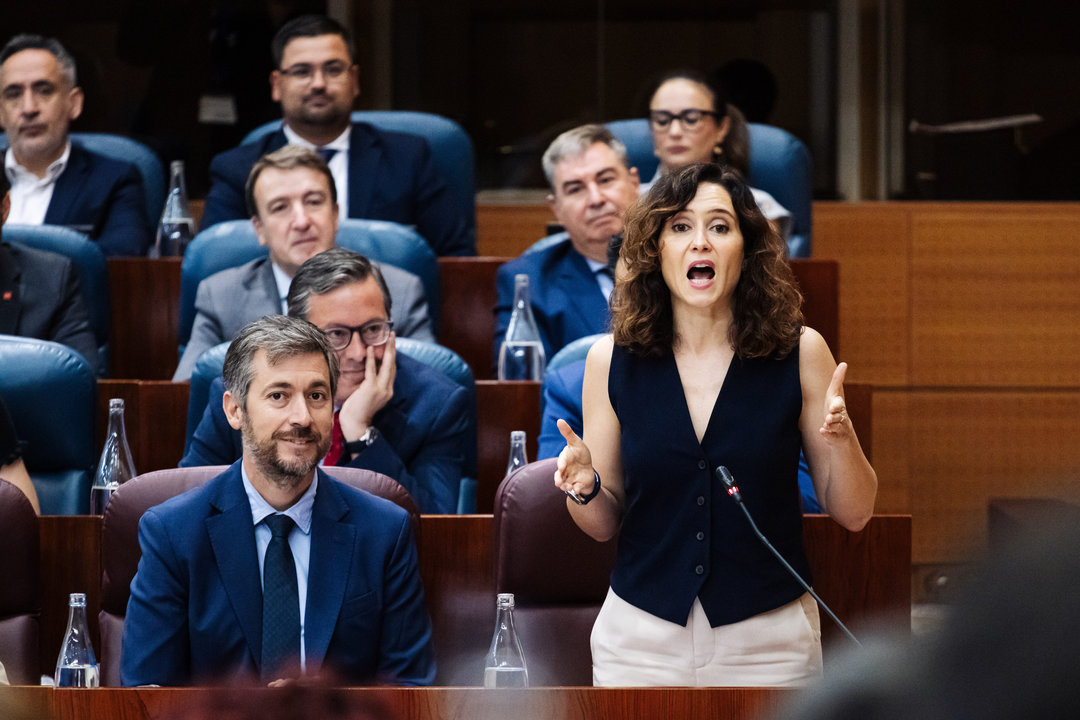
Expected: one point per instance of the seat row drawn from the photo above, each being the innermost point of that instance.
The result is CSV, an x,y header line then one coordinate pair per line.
x,y
464,560
780,163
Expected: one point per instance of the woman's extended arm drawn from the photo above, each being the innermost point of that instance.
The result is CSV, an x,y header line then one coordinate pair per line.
x,y
598,450
844,482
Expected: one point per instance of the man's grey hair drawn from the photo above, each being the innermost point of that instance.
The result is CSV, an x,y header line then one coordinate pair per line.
x,y
328,271
574,143
27,41
280,337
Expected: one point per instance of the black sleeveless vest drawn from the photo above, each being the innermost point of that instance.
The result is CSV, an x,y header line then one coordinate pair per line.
x,y
682,535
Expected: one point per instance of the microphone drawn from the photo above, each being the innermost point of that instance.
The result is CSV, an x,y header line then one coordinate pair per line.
x,y
733,490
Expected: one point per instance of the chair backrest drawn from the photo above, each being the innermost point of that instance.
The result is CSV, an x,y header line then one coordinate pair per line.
x,y
20,592
210,363
124,148
90,266
232,243
120,551
449,363
51,394
559,575
573,351
780,164
451,147
208,367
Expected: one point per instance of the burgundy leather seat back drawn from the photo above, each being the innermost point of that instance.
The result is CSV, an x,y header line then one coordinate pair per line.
x,y
559,575
120,552
20,586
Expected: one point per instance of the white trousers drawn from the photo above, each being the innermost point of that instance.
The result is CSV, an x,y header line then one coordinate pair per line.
x,y
631,647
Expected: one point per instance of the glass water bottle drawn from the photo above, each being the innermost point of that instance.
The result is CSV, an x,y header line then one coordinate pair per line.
x,y
518,457
116,465
505,664
177,226
521,355
76,666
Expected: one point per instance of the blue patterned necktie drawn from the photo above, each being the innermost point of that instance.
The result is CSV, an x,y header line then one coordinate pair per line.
x,y
326,153
281,603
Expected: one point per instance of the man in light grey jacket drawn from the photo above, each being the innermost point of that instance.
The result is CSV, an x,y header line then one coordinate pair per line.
x,y
293,204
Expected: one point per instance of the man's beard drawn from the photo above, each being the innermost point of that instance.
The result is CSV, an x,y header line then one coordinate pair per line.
x,y
285,473
329,115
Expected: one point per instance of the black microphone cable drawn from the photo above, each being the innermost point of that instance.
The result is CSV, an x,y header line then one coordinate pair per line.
x,y
733,490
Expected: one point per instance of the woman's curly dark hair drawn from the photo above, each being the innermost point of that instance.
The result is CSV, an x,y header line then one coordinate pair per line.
x,y
767,302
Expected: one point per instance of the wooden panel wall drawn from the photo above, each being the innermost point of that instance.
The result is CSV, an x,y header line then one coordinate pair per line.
x,y
966,319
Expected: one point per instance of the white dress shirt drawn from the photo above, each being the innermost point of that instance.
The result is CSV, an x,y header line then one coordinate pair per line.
x,y
299,538
31,195
339,164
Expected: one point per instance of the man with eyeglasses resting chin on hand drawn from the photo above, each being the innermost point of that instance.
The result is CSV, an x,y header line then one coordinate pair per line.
x,y
393,414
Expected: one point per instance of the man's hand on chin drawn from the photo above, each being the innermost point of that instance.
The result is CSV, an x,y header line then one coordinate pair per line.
x,y
358,410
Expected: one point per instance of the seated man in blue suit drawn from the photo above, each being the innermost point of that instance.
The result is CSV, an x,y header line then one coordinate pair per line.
x,y
293,205
395,415
592,185
274,569
54,182
380,175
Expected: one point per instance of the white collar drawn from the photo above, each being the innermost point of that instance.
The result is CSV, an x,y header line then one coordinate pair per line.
x,y
56,167
341,142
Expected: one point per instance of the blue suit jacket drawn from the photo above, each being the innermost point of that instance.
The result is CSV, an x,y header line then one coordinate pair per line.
x,y
565,297
195,611
103,198
562,399
421,444
391,177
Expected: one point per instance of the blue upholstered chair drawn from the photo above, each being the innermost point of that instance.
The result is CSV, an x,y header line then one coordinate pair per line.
x,y
133,151
780,164
90,265
573,351
208,368
450,364
234,243
560,393
451,147
51,394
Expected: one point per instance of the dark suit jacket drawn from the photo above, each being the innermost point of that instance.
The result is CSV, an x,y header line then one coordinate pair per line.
x,y
562,400
391,177
421,444
228,300
103,198
195,611
565,297
40,298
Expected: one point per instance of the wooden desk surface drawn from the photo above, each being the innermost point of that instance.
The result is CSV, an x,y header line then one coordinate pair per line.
x,y
416,703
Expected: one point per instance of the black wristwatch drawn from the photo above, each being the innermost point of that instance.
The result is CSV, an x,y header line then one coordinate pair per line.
x,y
584,499
363,442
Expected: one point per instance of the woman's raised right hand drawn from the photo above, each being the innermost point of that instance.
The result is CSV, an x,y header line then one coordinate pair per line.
x,y
574,470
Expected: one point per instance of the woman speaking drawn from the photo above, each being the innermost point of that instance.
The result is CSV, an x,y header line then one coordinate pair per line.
x,y
708,364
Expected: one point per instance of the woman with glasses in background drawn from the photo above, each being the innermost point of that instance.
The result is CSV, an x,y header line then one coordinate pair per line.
x,y
691,122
